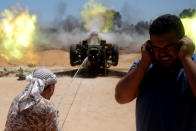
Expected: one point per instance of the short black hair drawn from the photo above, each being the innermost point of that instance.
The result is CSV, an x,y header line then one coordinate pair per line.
x,y
167,23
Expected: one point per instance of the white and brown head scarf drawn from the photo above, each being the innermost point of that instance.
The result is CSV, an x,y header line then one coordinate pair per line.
x,y
38,80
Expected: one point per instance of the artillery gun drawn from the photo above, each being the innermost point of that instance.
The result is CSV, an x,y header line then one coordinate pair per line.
x,y
100,54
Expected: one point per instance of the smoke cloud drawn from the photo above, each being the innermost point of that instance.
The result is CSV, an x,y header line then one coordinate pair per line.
x,y
97,23
58,39
128,43
70,30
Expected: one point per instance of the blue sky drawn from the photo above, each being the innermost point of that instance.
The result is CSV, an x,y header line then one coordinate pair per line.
x,y
131,10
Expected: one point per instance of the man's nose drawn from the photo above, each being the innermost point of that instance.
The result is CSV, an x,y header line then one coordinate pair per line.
x,y
163,52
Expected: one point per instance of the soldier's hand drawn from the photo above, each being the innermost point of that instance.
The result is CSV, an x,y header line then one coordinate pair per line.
x,y
187,48
147,55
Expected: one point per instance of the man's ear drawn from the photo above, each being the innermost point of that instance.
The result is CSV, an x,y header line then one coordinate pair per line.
x,y
47,87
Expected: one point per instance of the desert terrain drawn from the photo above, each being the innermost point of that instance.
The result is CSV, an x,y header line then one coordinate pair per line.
x,y
88,103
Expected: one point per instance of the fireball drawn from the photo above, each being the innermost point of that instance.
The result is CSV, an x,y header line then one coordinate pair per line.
x,y
97,17
17,31
190,27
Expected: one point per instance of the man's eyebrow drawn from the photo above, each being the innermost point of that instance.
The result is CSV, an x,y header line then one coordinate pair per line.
x,y
154,46
171,44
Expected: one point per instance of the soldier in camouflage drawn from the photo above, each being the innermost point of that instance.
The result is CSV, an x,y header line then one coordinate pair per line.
x,y
32,109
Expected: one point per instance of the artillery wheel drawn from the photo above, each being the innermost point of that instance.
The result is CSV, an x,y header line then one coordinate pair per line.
x,y
115,55
73,55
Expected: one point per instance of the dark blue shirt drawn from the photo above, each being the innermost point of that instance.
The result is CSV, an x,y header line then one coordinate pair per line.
x,y
165,101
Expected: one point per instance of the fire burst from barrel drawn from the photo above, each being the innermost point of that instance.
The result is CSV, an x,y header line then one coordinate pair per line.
x,y
97,17
17,30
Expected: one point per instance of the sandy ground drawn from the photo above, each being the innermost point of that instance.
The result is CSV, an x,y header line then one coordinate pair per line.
x,y
89,103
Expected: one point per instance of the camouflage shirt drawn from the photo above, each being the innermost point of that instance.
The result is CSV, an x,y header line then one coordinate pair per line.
x,y
40,117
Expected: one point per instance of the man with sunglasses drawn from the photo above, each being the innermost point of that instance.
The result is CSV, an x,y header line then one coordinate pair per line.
x,y
163,80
